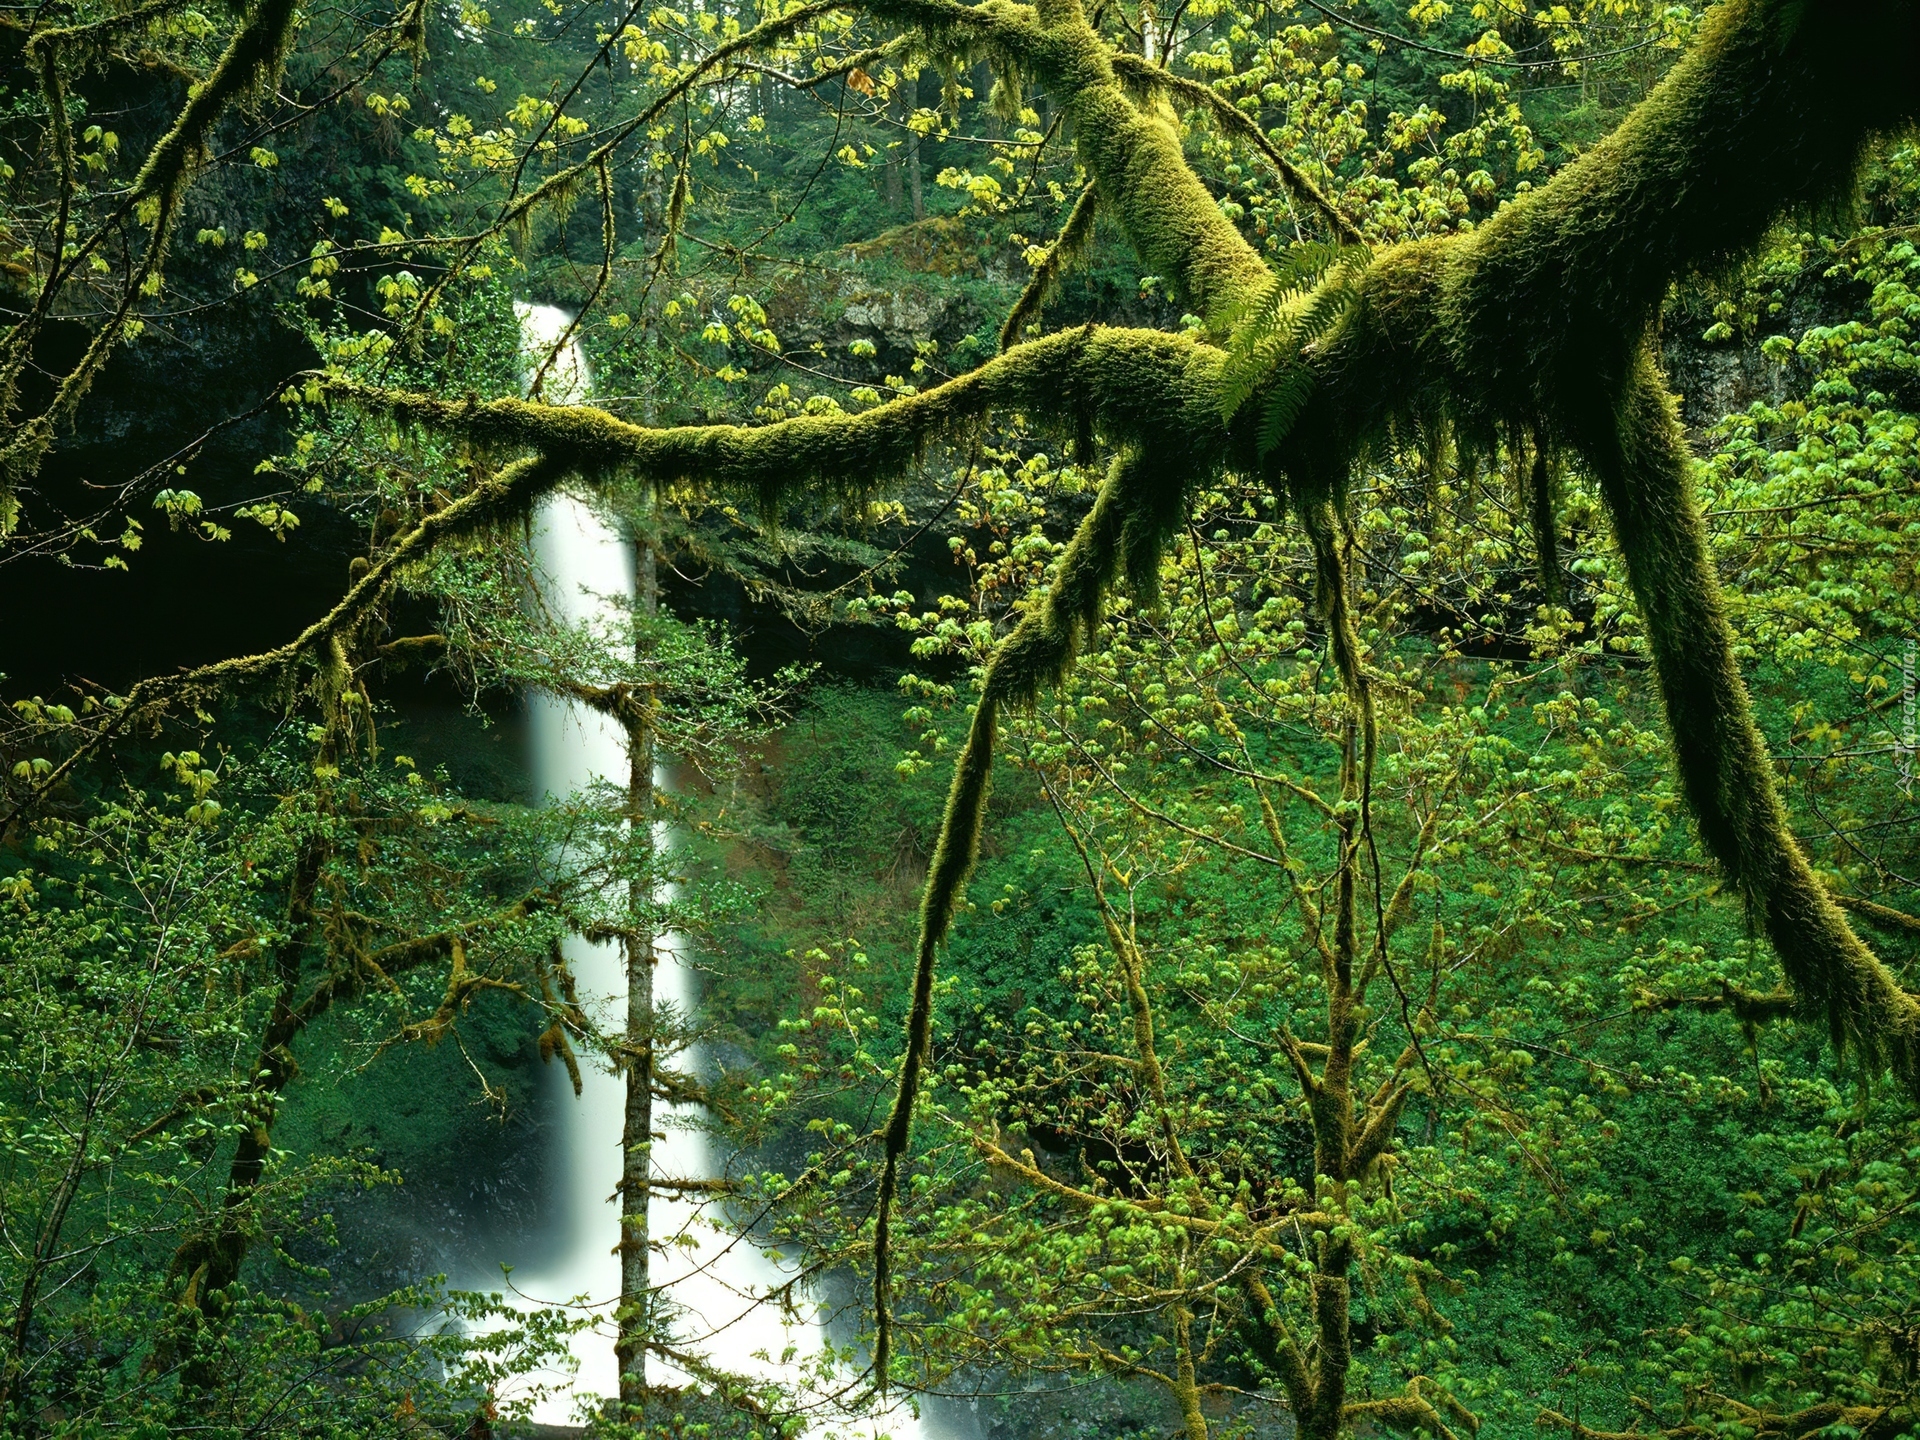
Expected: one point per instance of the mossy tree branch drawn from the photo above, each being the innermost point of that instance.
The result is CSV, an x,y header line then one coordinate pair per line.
x,y
1535,323
1871,1422
1538,323
509,493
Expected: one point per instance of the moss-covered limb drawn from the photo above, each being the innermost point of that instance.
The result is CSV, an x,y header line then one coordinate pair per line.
x,y
508,494
463,983
1399,906
249,63
1270,1240
1131,385
1868,1421
1724,767
1131,151
1529,317
1322,523
1243,126
1185,1382
1406,1414
1748,1006
93,33
1333,1332
1376,1136
1066,251
998,29
53,90
378,967
1553,1419
1134,155
1874,913
953,859
1275,1343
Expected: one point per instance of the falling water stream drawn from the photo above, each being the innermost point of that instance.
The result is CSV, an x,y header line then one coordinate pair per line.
x,y
714,1279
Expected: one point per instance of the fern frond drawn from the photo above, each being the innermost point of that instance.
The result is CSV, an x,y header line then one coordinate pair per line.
x,y
1312,289
1296,272
1286,398
1261,333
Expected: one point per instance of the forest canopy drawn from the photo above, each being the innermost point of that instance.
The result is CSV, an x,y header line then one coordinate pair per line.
x,y
1267,652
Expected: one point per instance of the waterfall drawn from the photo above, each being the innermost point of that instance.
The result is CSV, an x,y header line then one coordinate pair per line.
x,y
714,1285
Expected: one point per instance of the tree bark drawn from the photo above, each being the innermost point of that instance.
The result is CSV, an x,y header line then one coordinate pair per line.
x,y
634,1315
909,102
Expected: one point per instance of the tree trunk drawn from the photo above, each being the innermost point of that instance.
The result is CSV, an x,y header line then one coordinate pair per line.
x,y
633,1317
208,1263
909,102
898,108
43,1251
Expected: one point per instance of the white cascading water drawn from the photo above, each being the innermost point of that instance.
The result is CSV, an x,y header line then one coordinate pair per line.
x,y
714,1285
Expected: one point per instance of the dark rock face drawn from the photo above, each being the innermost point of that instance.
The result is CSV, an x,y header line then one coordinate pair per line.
x,y
1717,380
1724,377
187,407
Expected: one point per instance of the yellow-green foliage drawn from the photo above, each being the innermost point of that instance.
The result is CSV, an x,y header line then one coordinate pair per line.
x,y
250,64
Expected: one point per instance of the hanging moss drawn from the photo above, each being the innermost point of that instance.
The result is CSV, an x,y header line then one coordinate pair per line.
x,y
1544,517
1120,539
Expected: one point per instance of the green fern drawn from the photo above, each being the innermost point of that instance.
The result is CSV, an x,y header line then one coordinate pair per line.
x,y
1272,327
1286,398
